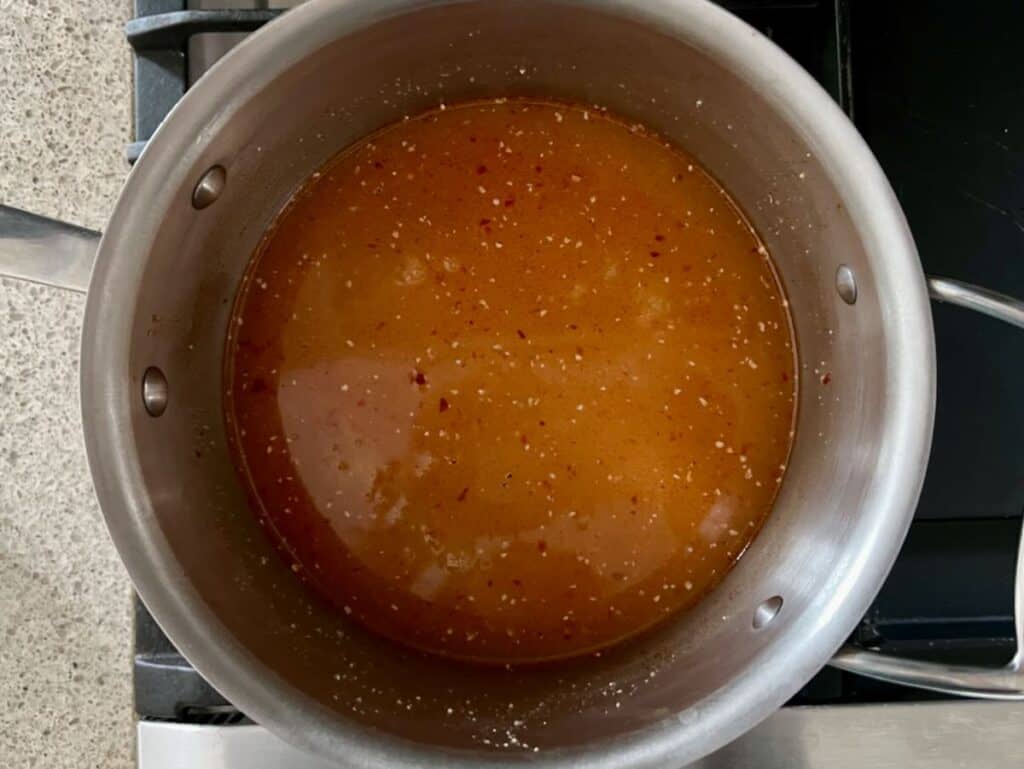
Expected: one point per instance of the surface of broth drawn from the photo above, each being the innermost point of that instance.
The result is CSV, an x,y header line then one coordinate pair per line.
x,y
511,381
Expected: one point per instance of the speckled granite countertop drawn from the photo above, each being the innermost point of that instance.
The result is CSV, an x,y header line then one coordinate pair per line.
x,y
65,611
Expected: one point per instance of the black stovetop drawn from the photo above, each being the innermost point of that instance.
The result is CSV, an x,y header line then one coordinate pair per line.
x,y
929,88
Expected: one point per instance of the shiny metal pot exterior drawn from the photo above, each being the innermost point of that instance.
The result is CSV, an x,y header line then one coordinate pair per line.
x,y
314,81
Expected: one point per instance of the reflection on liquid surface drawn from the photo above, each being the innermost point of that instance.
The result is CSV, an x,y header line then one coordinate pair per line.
x,y
511,381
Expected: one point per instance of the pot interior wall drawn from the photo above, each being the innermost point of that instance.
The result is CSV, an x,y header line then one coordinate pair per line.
x,y
271,137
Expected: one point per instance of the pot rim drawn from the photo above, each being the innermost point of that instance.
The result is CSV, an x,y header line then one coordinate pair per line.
x,y
107,385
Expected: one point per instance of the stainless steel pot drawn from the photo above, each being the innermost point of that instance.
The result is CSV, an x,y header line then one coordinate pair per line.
x,y
327,73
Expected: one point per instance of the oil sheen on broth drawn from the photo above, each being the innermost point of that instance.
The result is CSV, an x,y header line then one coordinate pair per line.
x,y
511,381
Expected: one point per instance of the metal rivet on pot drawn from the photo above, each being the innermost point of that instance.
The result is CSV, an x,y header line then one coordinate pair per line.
x,y
846,284
154,391
209,187
767,611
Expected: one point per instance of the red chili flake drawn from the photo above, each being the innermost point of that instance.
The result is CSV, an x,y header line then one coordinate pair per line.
x,y
520,334
827,378
538,169
481,169
419,378
443,405
361,402
542,423
523,439
462,494
785,376
655,254
509,202
542,545
377,164
257,385
484,222
659,238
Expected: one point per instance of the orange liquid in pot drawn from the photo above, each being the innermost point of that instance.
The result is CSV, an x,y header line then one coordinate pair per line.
x,y
511,381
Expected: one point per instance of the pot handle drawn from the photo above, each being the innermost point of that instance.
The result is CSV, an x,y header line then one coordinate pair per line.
x,y
46,251
1006,683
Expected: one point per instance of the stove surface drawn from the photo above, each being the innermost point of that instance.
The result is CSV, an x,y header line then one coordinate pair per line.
x,y
933,95
943,735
